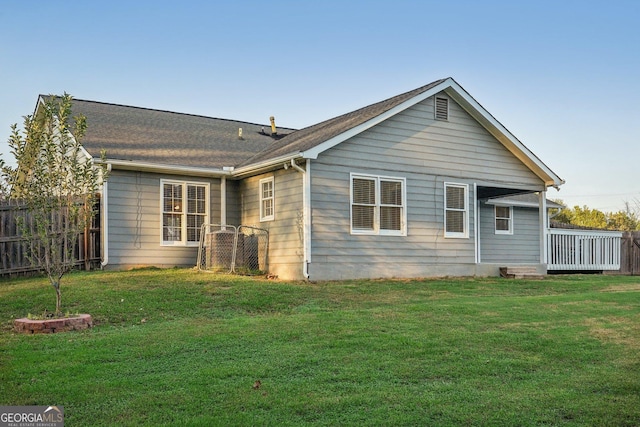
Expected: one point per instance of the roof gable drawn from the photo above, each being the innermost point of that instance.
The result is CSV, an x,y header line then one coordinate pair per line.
x,y
317,138
313,140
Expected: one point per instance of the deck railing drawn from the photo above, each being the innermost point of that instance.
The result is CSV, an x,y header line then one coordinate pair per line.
x,y
583,249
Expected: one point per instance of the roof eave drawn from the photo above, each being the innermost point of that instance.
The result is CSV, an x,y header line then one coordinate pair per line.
x,y
162,168
522,204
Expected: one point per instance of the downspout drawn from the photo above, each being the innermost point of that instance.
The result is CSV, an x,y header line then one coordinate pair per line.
x,y
105,221
557,213
223,202
306,215
476,221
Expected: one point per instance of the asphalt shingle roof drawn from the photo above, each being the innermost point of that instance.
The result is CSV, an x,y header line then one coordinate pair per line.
x,y
167,138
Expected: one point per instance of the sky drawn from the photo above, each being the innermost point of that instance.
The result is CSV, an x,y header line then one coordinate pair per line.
x,y
562,76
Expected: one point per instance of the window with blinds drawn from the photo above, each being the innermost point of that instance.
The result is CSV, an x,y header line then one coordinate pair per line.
x,y
456,215
184,210
377,205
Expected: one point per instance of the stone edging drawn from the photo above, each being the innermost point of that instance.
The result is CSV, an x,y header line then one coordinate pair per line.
x,y
49,326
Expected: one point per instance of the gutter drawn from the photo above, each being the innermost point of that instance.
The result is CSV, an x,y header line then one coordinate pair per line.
x,y
266,165
306,213
167,169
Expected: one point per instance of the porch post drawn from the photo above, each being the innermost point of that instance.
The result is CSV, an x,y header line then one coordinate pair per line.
x,y
544,226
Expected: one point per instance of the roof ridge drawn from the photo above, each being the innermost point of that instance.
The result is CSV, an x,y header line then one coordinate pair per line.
x,y
112,104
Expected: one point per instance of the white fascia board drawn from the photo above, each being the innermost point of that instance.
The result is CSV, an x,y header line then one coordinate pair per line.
x,y
496,128
85,153
166,169
330,143
550,205
514,204
268,164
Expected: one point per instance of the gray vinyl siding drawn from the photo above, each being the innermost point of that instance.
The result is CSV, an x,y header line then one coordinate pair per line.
x,y
134,215
523,246
233,202
458,148
427,153
286,229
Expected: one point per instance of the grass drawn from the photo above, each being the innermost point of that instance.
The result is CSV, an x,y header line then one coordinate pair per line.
x,y
177,347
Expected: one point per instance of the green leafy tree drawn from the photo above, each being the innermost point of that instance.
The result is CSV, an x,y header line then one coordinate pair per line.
x,y
591,218
58,183
624,220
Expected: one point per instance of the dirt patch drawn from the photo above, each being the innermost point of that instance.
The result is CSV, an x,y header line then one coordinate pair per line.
x,y
629,287
616,330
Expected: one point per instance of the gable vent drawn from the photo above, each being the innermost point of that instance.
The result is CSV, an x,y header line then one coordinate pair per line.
x,y
442,109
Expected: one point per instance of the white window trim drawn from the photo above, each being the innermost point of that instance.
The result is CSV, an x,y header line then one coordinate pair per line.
x,y
263,217
465,233
183,241
495,216
376,215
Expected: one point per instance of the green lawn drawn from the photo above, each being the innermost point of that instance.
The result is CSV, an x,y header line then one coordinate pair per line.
x,y
177,347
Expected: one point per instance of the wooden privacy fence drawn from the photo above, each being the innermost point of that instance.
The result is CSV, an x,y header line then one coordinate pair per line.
x,y
630,253
14,256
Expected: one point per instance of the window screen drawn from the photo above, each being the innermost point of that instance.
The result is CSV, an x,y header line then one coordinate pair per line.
x,y
377,205
184,210
456,210
503,219
364,204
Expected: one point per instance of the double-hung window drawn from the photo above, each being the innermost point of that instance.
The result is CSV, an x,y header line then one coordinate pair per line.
x,y
504,219
185,207
378,205
456,210
267,200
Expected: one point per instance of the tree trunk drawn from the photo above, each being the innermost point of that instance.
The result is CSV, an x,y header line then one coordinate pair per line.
x,y
56,286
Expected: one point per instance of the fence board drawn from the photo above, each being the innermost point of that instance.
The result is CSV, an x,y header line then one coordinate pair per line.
x,y
14,258
630,253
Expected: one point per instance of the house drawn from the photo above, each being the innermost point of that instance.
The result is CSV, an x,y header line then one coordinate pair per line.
x,y
416,185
